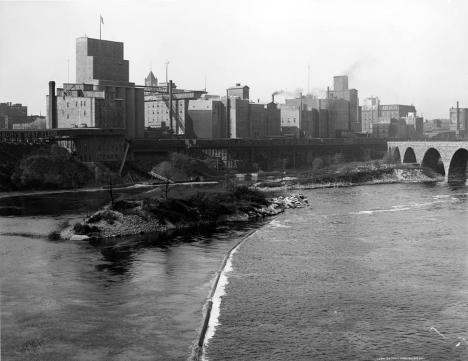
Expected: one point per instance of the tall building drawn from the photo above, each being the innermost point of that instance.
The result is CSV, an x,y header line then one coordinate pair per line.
x,y
341,91
297,121
238,118
157,114
337,112
264,120
102,96
369,113
462,119
241,91
158,106
11,114
415,122
13,110
386,112
100,60
323,126
207,119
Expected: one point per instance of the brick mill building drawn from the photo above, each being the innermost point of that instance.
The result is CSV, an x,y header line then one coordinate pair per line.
x,y
102,97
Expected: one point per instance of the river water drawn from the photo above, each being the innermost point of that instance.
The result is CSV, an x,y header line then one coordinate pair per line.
x,y
363,273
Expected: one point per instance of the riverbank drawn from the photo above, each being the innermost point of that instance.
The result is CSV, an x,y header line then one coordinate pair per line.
x,y
354,174
148,212
156,211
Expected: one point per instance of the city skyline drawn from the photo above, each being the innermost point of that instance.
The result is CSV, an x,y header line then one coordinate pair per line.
x,y
403,52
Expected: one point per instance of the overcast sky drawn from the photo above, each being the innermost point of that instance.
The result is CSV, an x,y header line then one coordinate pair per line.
x,y
400,51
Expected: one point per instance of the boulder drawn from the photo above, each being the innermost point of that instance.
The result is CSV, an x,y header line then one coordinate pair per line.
x,y
77,237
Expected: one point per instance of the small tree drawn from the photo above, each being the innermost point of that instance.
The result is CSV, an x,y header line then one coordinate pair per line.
x,y
88,206
167,183
317,163
110,192
388,158
338,158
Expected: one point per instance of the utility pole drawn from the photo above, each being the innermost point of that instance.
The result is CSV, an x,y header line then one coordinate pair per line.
x,y
328,109
101,21
167,63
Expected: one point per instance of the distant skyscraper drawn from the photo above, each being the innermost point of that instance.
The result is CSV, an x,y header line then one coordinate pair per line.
x,y
102,96
241,91
100,60
341,91
369,113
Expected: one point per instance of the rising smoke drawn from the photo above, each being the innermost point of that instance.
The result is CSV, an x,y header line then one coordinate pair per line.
x,y
286,92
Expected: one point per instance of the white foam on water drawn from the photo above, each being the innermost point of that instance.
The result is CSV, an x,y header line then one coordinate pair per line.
x,y
397,209
405,207
275,223
220,292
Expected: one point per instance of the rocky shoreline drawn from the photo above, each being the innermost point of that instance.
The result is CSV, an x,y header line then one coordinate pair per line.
x,y
110,223
385,174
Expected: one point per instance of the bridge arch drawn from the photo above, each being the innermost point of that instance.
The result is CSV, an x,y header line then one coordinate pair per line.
x,y
457,167
410,156
451,155
433,159
396,155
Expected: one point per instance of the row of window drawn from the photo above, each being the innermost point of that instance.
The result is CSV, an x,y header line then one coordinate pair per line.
x,y
76,104
68,115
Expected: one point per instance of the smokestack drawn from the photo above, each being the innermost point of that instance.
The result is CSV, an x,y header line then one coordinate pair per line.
x,y
228,112
273,97
52,114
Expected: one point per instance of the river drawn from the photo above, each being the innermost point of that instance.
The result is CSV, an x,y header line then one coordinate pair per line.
x,y
362,273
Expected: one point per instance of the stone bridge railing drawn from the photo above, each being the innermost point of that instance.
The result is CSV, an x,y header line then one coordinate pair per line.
x,y
448,158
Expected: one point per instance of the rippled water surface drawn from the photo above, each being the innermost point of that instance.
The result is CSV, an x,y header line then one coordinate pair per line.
x,y
364,273
135,298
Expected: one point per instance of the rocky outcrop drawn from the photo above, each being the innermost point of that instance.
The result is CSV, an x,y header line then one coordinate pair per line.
x,y
363,176
109,223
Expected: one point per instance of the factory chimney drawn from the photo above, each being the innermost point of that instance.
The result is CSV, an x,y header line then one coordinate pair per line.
x,y
273,97
170,106
52,111
228,111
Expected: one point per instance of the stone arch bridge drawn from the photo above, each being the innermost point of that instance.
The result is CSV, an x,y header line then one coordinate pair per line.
x,y
448,158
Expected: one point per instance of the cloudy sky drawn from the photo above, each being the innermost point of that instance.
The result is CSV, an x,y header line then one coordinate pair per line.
x,y
401,51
